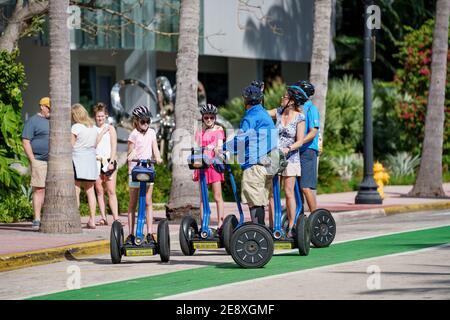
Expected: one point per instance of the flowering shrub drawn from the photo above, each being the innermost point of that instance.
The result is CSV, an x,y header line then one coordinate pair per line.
x,y
413,82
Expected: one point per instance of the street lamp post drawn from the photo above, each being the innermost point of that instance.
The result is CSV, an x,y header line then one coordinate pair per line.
x,y
367,193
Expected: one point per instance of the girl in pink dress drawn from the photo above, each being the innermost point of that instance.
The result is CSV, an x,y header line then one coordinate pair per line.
x,y
210,137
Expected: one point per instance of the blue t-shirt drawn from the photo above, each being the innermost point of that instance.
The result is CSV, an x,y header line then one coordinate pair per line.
x,y
312,120
37,129
257,136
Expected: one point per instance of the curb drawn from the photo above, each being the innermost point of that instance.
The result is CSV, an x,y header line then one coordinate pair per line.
x,y
351,216
417,207
45,256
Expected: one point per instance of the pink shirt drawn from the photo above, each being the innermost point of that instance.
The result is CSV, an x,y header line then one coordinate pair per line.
x,y
142,145
210,139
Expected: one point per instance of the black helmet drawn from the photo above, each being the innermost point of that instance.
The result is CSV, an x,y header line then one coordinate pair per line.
x,y
252,95
297,94
142,113
306,86
208,109
259,84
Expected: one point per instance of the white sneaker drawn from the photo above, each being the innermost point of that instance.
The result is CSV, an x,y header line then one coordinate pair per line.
x,y
36,225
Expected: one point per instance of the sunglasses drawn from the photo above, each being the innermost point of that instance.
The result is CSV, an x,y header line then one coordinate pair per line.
x,y
144,121
209,118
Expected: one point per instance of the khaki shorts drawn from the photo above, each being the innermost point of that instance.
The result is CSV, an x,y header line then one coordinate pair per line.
x,y
38,173
292,170
256,186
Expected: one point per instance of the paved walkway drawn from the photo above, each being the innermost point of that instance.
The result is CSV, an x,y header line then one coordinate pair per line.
x,y
18,237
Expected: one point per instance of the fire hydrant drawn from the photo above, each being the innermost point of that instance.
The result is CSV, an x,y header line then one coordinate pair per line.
x,y
381,177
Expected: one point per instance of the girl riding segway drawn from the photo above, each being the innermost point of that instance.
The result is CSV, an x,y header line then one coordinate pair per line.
x,y
142,144
210,137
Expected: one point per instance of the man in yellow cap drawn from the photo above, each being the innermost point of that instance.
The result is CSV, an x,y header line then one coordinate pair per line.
x,y
35,140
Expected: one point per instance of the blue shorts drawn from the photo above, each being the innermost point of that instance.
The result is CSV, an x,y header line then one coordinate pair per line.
x,y
308,161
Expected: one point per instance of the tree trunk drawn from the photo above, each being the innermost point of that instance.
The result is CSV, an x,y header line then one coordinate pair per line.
x,y
184,195
60,207
429,179
321,55
19,21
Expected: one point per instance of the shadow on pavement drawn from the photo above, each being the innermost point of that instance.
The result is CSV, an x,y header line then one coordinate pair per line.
x,y
407,291
129,260
24,227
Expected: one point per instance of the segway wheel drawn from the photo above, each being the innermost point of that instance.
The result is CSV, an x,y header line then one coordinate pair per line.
x,y
251,246
188,228
303,235
229,223
323,228
164,240
116,242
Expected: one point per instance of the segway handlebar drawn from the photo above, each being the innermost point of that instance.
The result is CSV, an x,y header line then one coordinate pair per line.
x,y
147,161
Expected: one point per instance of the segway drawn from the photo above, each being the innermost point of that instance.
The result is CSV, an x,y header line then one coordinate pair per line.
x,y
321,223
301,238
252,245
191,238
144,173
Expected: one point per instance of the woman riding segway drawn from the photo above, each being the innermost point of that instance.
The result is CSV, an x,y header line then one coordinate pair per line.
x,y
290,123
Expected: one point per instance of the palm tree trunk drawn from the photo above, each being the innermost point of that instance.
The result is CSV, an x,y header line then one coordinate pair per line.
x,y
184,194
60,207
321,55
429,179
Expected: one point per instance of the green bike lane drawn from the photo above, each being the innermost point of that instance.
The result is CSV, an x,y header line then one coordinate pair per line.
x,y
173,283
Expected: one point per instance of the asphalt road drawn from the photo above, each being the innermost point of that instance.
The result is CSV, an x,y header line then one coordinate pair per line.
x,y
370,259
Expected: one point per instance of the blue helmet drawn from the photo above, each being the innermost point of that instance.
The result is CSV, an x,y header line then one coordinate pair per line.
x,y
297,94
252,95
307,87
259,84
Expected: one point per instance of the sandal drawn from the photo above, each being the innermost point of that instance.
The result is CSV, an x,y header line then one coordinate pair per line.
x,y
88,226
102,222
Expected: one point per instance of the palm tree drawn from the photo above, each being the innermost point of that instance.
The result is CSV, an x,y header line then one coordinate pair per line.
x,y
429,179
60,213
321,55
184,192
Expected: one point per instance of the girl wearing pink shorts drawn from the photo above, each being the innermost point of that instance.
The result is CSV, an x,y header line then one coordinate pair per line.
x,y
209,138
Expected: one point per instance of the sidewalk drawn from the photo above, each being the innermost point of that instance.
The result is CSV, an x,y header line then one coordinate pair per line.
x,y
23,247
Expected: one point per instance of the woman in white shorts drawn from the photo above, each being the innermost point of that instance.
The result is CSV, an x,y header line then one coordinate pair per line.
x,y
84,142
106,163
291,128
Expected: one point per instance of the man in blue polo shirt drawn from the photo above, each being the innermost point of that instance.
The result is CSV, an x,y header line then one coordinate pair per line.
x,y
256,138
309,151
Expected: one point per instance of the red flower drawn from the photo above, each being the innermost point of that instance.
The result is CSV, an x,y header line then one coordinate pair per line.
x,y
426,60
424,71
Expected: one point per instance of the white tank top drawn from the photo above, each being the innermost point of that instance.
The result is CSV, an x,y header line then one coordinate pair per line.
x,y
104,146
